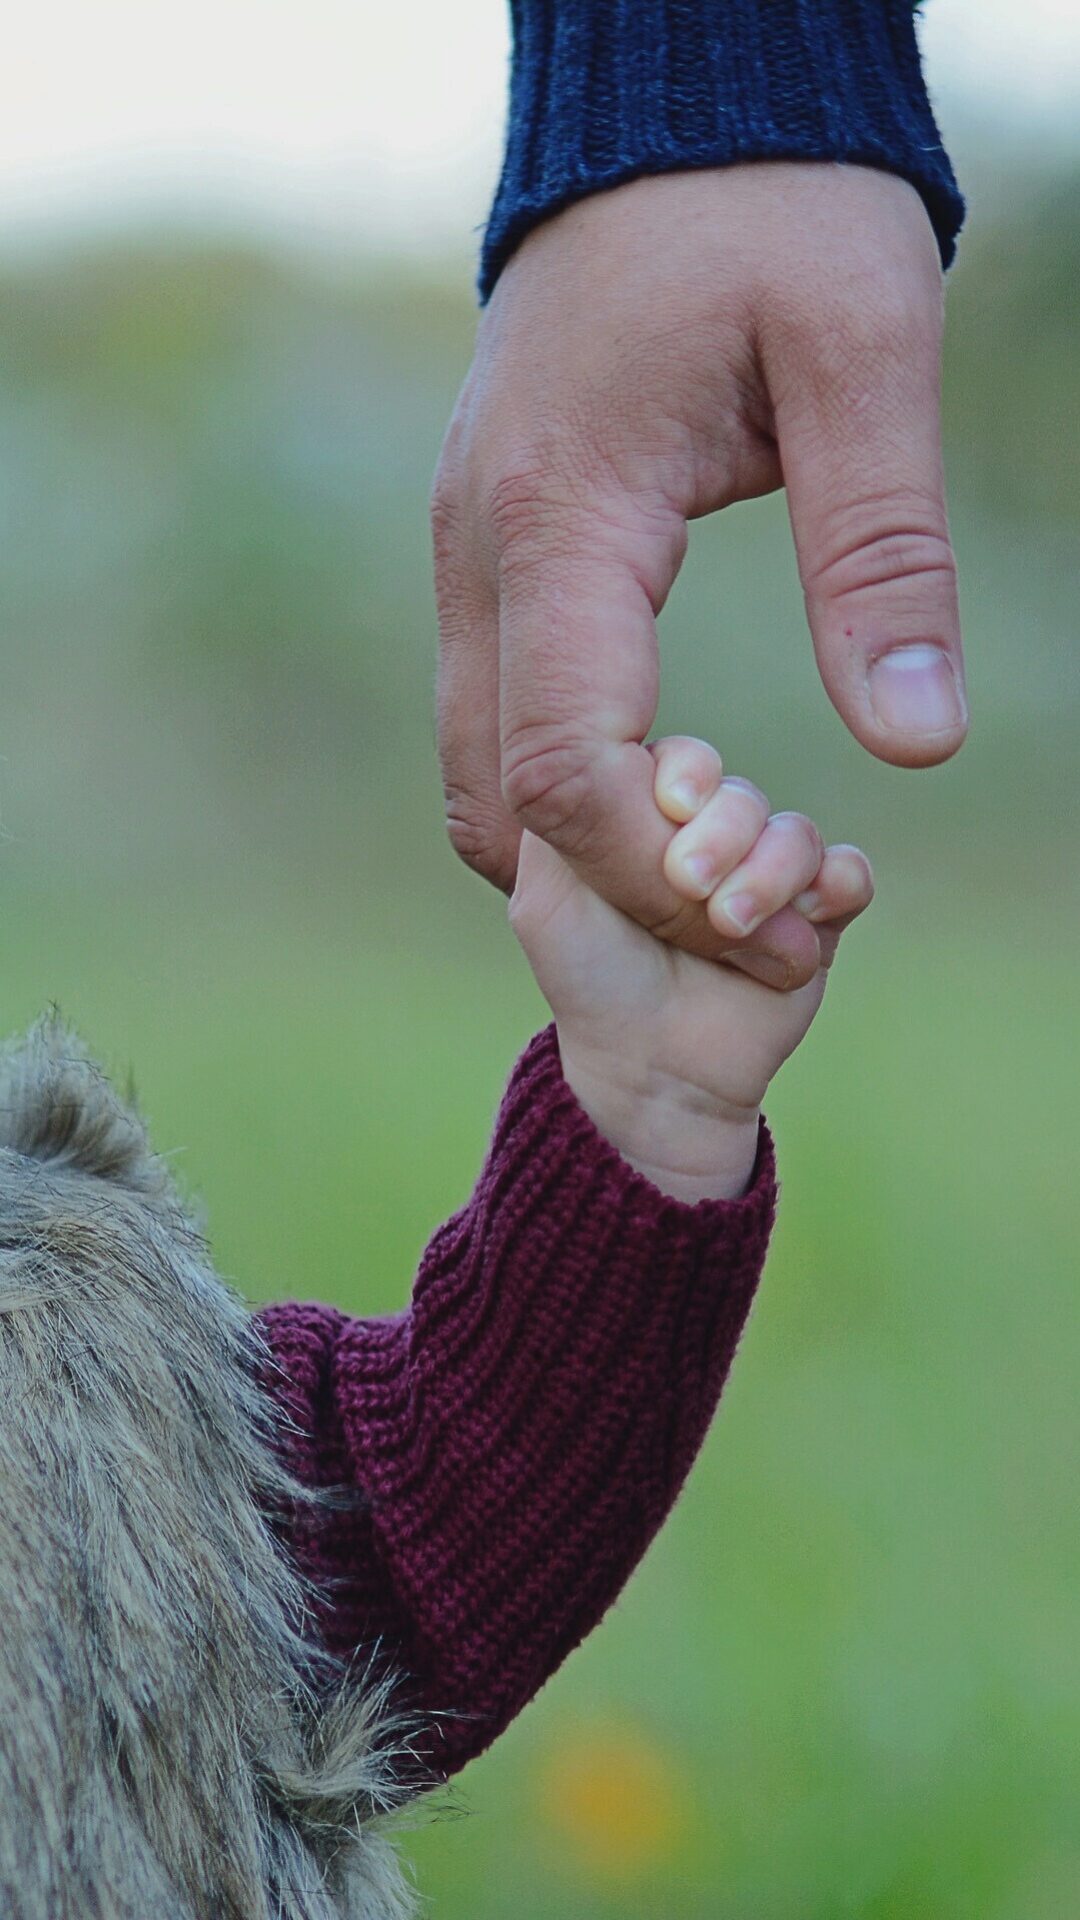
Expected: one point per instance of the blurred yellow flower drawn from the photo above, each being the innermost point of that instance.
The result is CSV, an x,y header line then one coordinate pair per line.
x,y
618,1802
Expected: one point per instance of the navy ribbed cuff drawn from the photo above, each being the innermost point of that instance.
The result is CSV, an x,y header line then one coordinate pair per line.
x,y
603,91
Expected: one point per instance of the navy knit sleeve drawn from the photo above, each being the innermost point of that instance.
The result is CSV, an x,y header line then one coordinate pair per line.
x,y
602,91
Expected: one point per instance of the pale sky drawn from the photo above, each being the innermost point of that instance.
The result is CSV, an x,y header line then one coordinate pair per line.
x,y
358,116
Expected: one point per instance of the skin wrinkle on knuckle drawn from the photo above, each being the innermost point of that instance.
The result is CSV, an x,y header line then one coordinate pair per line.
x,y
473,825
545,482
542,543
478,846
589,458
598,471
548,784
879,553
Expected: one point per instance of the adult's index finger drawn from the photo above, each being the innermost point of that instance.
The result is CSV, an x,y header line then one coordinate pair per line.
x,y
579,687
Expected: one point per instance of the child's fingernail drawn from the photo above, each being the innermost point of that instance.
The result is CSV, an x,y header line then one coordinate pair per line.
x,y
699,870
914,689
807,902
686,796
742,911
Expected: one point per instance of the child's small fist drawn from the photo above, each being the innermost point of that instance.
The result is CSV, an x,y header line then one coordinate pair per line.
x,y
743,862
670,1053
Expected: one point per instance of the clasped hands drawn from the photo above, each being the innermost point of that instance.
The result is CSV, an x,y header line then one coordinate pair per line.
x,y
649,355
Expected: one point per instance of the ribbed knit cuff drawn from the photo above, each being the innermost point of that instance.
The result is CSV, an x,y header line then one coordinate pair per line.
x,y
540,1110
603,91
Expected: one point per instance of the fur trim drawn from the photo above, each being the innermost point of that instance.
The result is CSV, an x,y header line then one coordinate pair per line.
x,y
170,1742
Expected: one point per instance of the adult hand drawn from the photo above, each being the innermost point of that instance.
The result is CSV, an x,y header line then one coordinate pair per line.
x,y
651,354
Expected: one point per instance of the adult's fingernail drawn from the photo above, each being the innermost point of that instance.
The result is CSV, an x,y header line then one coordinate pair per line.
x,y
771,971
914,690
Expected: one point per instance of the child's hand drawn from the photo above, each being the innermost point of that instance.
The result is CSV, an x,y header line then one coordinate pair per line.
x,y
670,1054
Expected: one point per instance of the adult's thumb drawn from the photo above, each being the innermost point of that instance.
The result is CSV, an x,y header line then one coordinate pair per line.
x,y
858,428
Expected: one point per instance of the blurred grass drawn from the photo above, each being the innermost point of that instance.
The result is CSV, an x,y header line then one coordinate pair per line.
x,y
845,1680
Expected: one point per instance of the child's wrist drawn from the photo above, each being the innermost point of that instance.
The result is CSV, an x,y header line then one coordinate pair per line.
x,y
690,1144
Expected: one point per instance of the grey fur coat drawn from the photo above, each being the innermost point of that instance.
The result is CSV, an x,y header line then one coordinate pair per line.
x,y
172,1747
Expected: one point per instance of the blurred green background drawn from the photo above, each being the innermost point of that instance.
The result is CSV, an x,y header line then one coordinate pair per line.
x,y
846,1679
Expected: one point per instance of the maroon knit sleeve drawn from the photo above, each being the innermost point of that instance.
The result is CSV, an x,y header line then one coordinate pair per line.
x,y
521,1431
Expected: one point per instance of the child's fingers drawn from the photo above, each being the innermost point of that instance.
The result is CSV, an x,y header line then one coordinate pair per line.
x,y
688,772
704,852
842,890
783,861
842,887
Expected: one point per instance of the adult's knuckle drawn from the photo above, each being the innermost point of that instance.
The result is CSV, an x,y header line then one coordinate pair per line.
x,y
895,326
879,543
546,783
849,345
517,498
549,486
476,837
891,315
468,837
534,529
